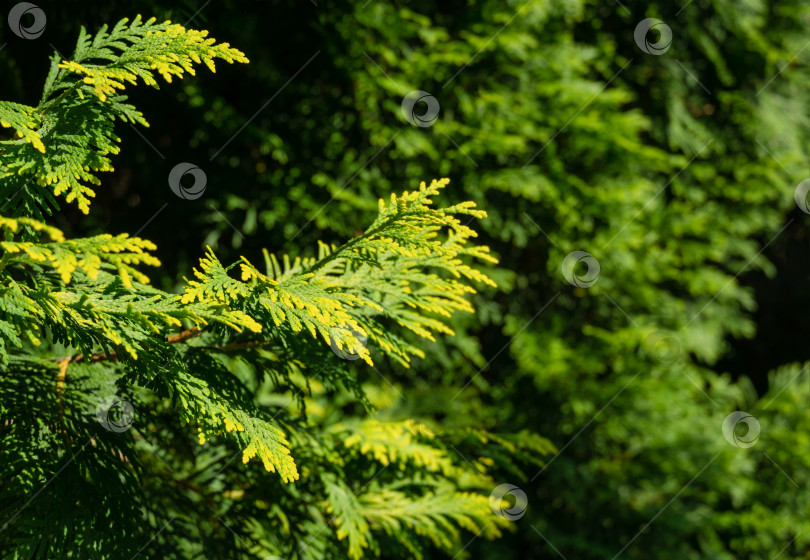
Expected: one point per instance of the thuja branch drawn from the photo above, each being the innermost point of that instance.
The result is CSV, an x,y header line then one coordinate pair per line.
x,y
111,356
181,337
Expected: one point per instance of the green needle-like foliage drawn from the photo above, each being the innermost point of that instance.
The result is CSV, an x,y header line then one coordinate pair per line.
x,y
65,140
204,368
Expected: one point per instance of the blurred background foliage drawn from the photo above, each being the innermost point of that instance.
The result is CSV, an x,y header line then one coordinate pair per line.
x,y
677,172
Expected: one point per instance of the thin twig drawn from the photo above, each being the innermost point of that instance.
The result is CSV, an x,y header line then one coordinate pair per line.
x,y
60,378
104,356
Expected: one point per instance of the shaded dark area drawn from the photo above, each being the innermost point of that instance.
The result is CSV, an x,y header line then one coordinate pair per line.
x,y
781,317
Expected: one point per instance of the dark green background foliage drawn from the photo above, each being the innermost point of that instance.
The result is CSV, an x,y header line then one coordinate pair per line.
x,y
676,172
